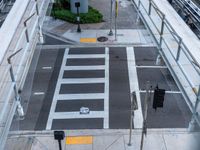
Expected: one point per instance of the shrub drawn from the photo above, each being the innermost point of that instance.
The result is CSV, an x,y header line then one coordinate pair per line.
x,y
93,15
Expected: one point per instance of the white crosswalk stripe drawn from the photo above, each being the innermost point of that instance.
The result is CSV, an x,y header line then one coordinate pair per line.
x,y
81,96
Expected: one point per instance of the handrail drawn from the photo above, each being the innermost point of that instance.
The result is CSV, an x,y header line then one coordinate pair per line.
x,y
21,63
174,53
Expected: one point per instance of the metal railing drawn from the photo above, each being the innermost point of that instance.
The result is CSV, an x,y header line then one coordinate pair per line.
x,y
169,42
25,39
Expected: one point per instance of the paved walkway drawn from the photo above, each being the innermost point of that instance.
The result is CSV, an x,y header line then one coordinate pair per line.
x,y
156,139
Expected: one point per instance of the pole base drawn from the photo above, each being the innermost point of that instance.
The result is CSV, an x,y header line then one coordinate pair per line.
x,y
78,30
192,126
129,144
110,33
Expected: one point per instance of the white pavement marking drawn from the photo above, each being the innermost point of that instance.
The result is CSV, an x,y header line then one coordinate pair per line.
x,y
81,96
153,67
133,80
168,92
106,90
98,67
81,80
91,96
72,115
46,68
83,56
39,93
53,105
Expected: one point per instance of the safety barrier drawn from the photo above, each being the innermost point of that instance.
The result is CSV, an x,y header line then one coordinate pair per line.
x,y
22,45
178,57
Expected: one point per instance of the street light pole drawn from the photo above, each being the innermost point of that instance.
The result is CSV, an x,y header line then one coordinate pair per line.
x,y
111,11
17,97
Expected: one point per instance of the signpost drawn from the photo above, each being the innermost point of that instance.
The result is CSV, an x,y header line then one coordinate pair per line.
x,y
116,14
59,135
77,5
146,100
111,11
134,106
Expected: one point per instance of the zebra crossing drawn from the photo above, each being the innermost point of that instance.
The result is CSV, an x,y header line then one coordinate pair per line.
x,y
84,80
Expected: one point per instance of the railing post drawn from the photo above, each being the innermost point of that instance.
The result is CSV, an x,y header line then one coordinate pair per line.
x,y
25,25
36,7
16,90
179,49
150,7
193,122
138,12
26,32
162,30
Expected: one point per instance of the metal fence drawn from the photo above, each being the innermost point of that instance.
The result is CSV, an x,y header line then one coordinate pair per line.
x,y
25,40
171,44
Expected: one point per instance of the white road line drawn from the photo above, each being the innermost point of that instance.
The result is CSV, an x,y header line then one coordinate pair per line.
x,y
156,67
57,89
46,68
168,92
133,80
76,115
39,93
106,90
81,80
98,67
86,56
80,96
92,96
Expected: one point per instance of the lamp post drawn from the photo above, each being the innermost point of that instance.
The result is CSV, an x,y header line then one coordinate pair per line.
x,y
17,96
77,5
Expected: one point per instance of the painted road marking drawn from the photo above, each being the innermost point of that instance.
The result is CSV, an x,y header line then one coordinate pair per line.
x,y
106,90
83,56
98,67
88,40
92,96
133,80
71,115
81,80
81,96
168,92
153,67
39,93
46,68
71,140
53,105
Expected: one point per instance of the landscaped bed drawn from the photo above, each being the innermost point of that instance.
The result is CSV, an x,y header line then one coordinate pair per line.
x,y
62,11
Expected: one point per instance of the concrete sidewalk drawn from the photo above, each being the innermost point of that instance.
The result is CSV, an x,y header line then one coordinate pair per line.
x,y
123,36
156,139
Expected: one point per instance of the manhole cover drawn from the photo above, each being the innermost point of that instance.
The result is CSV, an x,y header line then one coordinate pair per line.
x,y
102,39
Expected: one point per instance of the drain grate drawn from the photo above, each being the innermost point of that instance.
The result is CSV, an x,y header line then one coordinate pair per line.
x,y
102,39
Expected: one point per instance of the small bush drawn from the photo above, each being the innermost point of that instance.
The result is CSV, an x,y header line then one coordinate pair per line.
x,y
93,15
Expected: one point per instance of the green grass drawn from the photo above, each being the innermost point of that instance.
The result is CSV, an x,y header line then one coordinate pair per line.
x,y
93,15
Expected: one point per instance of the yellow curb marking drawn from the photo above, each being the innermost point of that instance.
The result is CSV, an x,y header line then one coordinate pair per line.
x,y
88,40
79,140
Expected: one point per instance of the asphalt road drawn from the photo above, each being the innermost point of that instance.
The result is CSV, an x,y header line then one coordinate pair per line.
x,y
67,73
